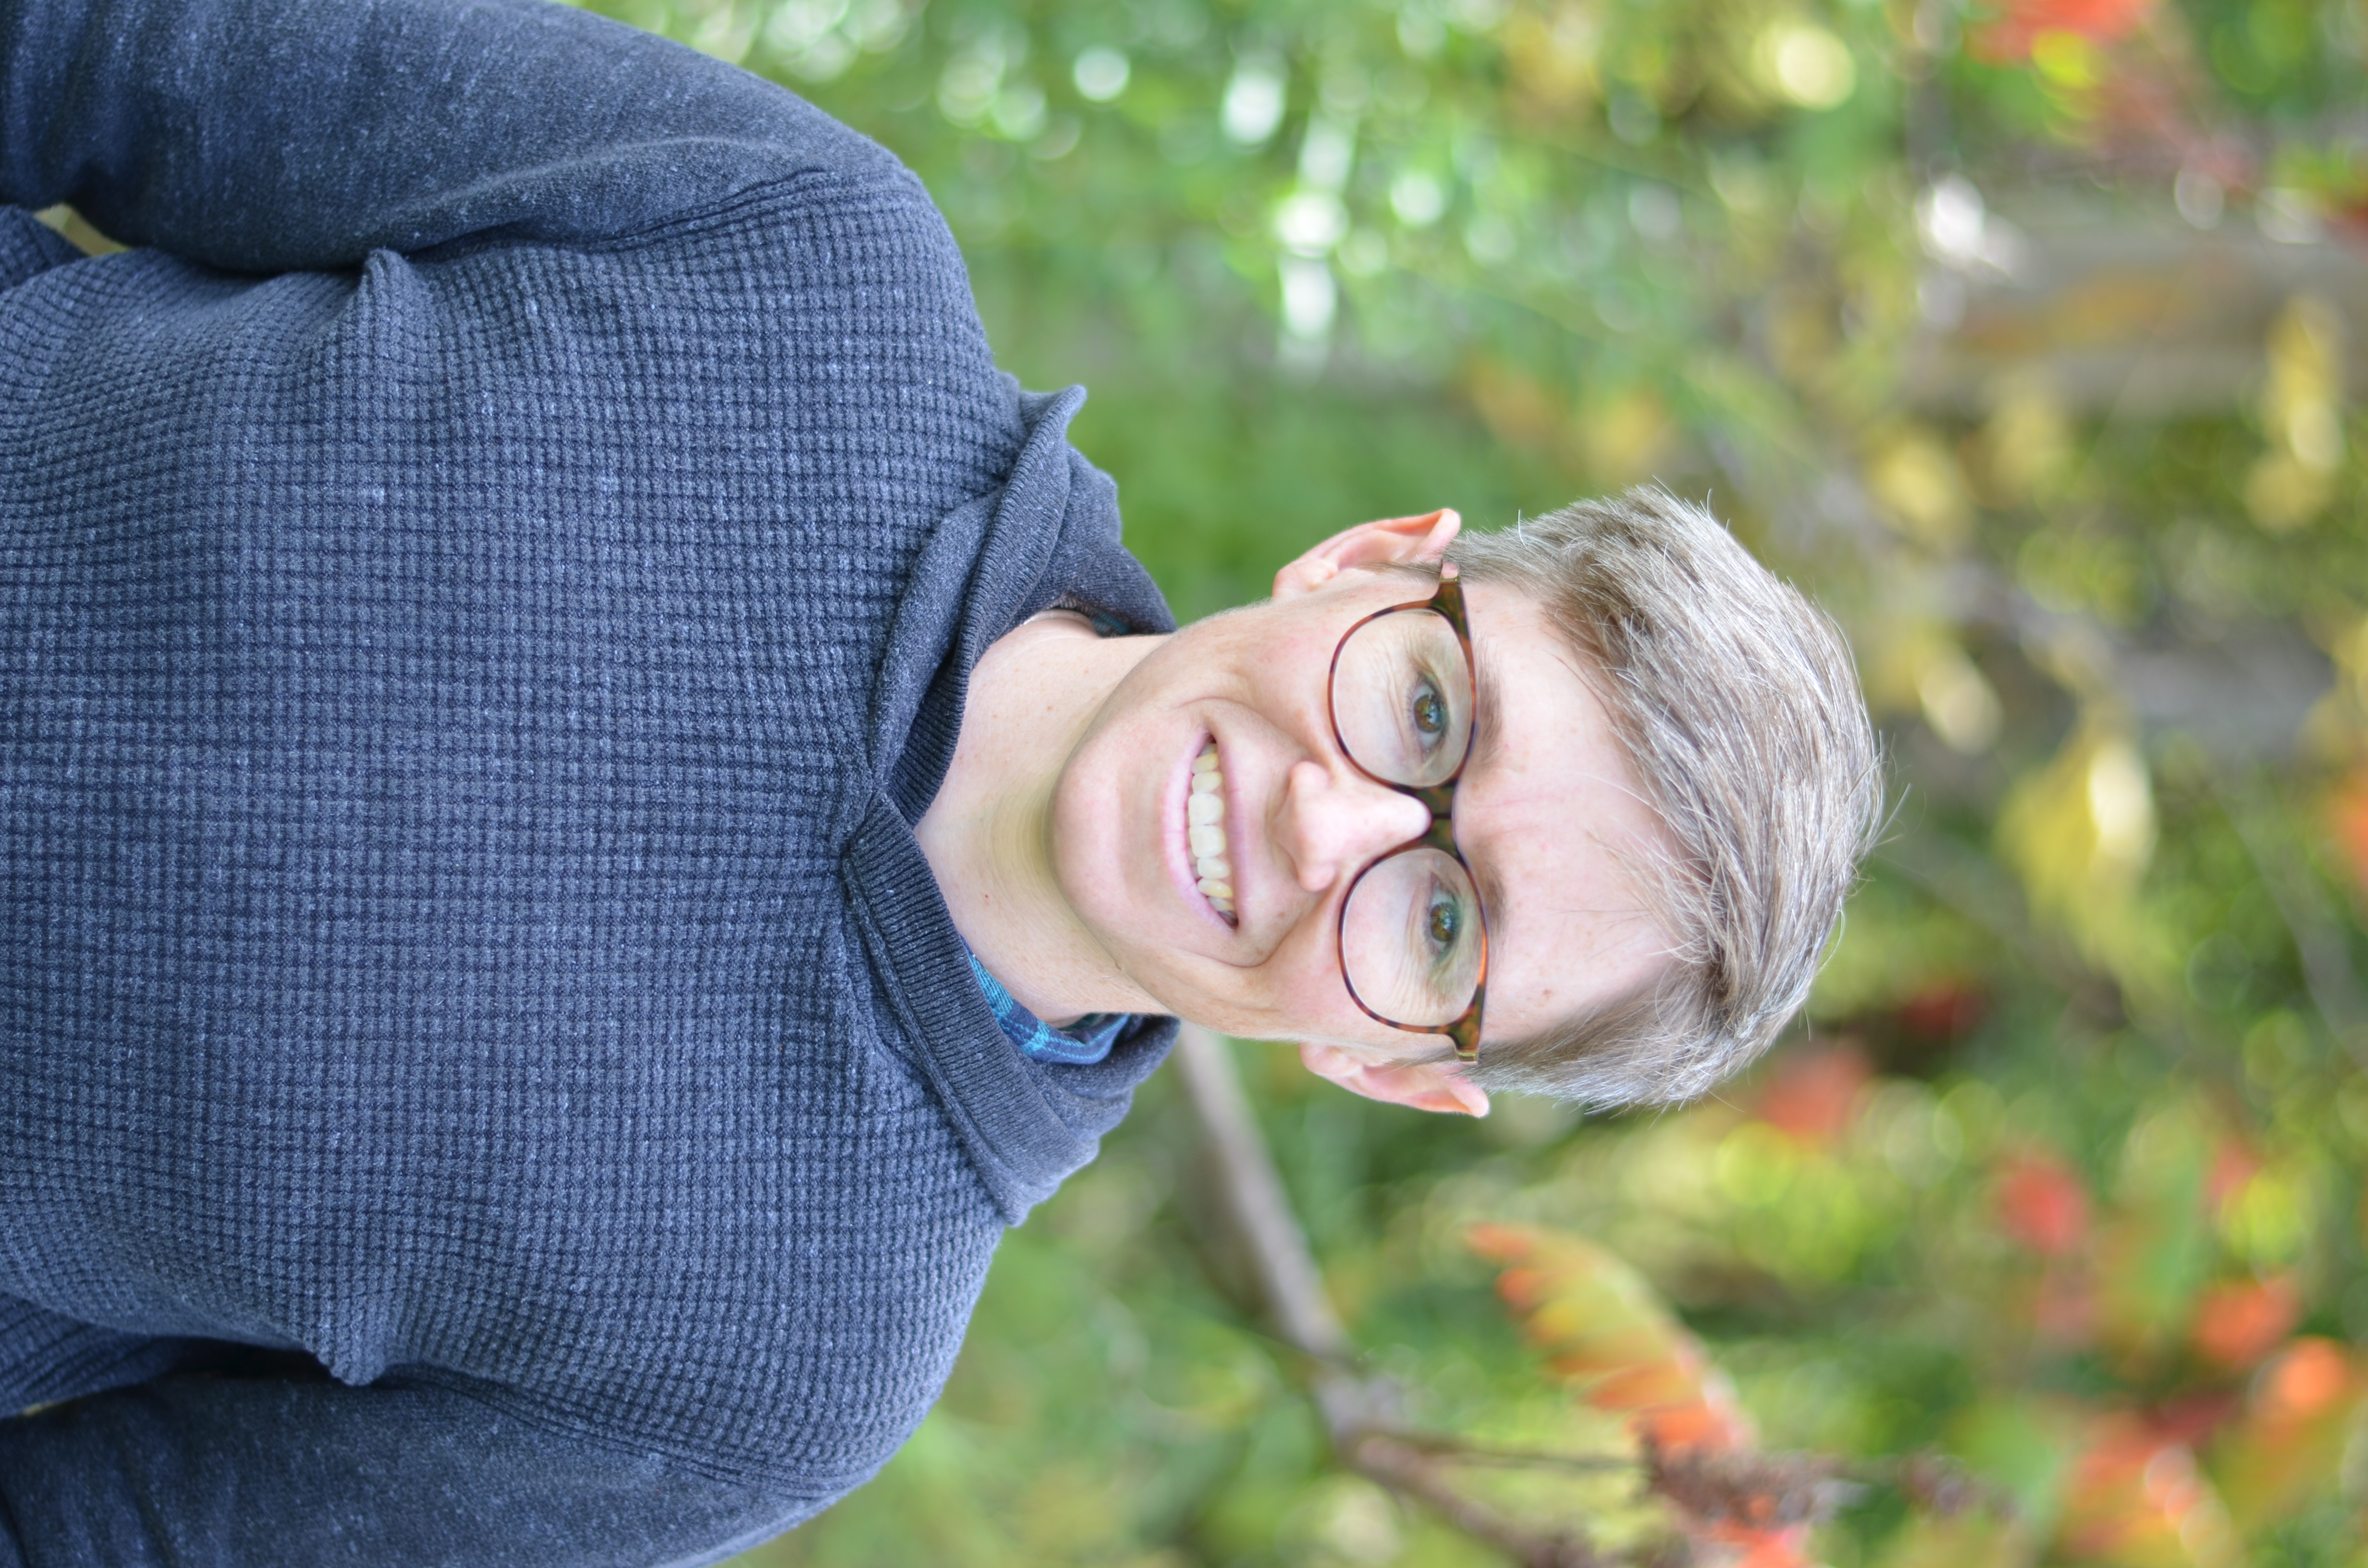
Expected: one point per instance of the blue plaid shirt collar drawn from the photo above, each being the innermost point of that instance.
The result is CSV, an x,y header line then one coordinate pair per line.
x,y
1089,1039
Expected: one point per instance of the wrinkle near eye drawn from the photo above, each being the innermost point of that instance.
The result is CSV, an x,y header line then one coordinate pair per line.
x,y
1487,723
1492,898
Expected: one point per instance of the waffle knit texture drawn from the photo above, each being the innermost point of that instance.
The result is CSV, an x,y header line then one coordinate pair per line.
x,y
485,583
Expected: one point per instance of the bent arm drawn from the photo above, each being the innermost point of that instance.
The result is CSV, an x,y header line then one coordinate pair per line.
x,y
204,1471
270,135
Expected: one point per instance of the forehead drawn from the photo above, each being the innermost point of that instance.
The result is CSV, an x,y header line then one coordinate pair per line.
x,y
1553,820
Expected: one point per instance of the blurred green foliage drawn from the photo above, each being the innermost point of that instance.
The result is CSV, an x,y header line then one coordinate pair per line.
x,y
2022,332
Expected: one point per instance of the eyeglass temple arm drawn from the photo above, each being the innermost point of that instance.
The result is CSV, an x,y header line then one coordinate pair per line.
x,y
1466,1030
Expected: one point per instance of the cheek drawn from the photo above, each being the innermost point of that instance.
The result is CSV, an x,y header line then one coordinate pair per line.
x,y
1085,834
1296,993
1292,674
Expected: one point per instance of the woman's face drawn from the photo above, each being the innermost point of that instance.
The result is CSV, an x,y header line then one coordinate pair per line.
x,y
1547,816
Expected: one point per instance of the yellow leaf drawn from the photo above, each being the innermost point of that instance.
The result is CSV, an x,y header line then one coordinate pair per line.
x,y
1915,479
1959,703
1624,437
2301,408
1553,56
2282,493
1804,64
2081,831
2026,443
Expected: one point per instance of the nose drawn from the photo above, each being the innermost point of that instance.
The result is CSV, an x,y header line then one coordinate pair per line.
x,y
1333,825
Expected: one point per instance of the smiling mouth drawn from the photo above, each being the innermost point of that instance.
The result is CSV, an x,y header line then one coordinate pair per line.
x,y
1204,831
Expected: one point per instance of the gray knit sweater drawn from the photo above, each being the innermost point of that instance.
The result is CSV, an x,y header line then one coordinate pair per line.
x,y
486,1074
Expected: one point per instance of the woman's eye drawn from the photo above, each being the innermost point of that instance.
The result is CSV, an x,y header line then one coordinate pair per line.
x,y
1429,713
1446,921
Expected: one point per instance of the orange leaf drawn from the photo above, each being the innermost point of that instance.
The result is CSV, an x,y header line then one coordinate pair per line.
x,y
1785,1548
1697,1425
2237,1321
2136,1499
2287,1446
1604,1330
1500,1244
2346,823
2311,1379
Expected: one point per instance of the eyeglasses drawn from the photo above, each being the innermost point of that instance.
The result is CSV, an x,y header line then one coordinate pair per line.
x,y
1414,942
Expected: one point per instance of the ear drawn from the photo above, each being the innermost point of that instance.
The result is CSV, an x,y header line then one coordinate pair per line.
x,y
1425,1086
1385,543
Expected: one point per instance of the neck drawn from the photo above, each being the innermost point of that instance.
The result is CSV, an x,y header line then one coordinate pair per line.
x,y
987,834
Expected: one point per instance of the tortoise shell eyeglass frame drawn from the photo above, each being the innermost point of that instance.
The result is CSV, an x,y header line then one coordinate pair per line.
x,y
1438,798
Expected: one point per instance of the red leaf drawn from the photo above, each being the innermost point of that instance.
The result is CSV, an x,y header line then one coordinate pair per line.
x,y
1944,1012
2010,37
1813,1092
2043,1203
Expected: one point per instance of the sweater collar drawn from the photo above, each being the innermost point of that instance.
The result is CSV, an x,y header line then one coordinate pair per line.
x,y
1052,533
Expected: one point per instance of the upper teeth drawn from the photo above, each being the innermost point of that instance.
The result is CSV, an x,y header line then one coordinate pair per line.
x,y
1204,818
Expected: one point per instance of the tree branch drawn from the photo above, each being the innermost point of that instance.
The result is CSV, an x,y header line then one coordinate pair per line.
x,y
1352,1402
1756,1489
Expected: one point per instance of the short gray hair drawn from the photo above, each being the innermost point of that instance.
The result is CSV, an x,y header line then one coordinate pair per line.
x,y
1739,707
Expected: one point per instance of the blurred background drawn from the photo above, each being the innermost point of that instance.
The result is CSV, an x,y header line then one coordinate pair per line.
x,y
2019,331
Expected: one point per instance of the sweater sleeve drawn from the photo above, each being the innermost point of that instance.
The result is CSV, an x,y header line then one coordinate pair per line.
x,y
270,135
211,1473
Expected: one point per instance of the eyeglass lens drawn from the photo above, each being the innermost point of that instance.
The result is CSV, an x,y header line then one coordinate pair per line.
x,y
1410,935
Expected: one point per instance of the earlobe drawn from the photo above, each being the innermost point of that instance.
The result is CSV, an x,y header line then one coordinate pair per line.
x,y
1387,541
1422,1085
